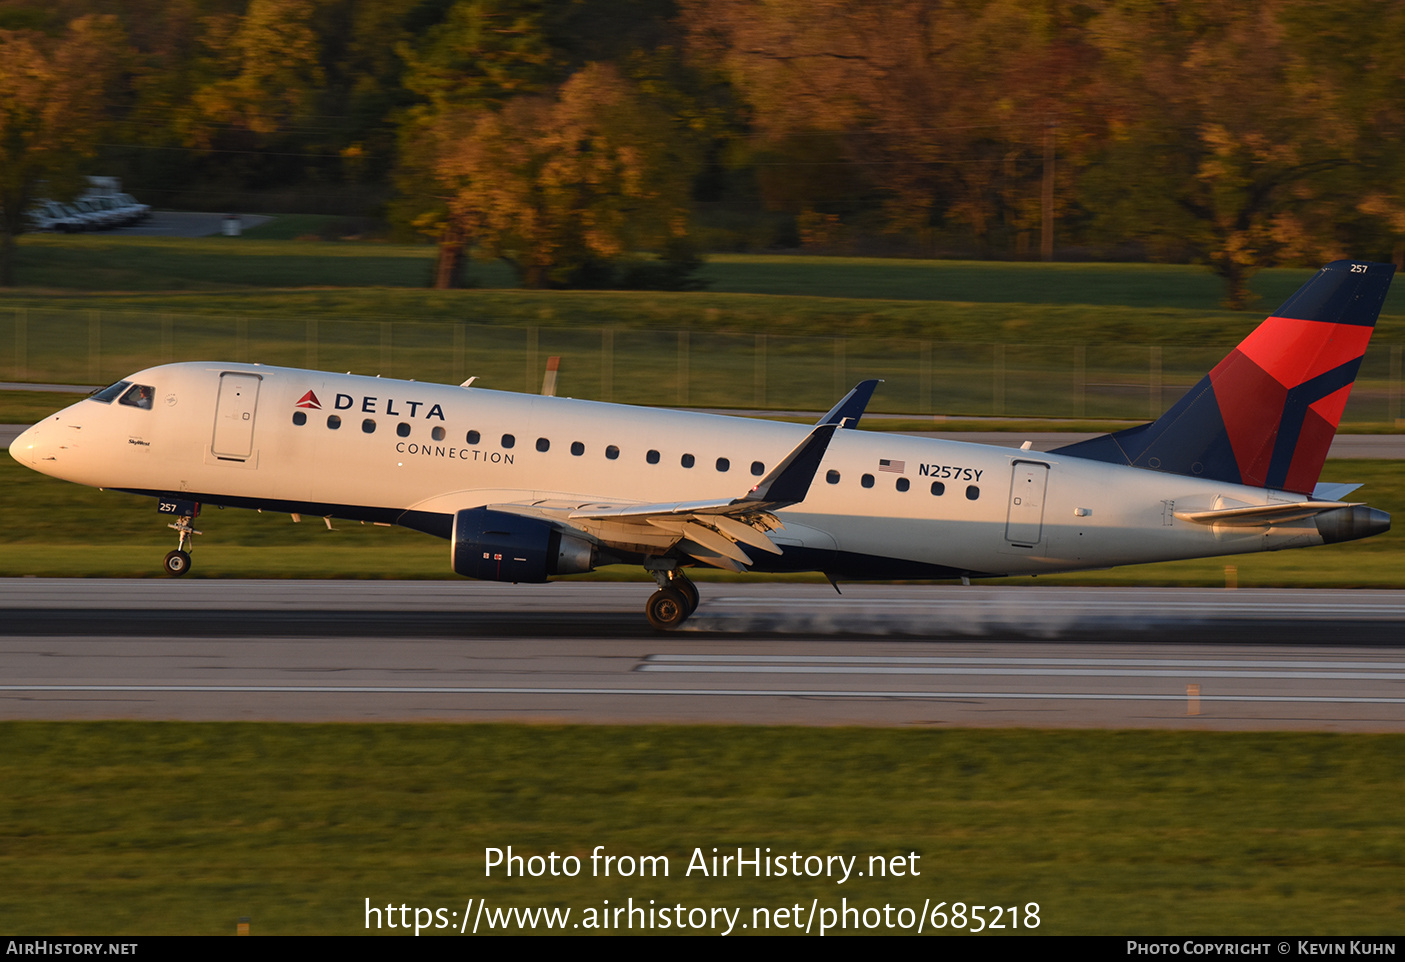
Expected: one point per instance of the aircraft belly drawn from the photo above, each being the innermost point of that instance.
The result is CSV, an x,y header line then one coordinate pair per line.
x,y
957,546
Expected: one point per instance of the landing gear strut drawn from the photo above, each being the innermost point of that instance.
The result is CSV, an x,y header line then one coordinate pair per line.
x,y
177,562
676,599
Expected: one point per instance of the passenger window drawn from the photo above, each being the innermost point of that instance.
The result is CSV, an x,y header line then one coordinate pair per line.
x,y
368,426
299,418
904,484
508,440
972,492
138,396
757,468
107,394
652,457
402,429
543,445
938,488
472,437
832,477
687,461
866,480
612,452
577,448
437,434
333,422
723,464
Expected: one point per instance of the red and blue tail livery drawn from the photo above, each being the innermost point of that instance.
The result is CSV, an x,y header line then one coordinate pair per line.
x,y
1265,416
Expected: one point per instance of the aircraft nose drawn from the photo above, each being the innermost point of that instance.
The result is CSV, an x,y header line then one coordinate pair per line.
x,y
23,448
38,446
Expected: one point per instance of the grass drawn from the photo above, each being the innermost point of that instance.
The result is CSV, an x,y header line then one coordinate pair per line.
x,y
1038,322
1181,286
274,256
27,407
117,263
1109,832
645,363
950,338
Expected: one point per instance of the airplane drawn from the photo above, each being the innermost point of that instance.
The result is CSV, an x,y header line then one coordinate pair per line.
x,y
526,487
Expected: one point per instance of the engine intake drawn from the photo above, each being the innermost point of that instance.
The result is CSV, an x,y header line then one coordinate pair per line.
x,y
499,546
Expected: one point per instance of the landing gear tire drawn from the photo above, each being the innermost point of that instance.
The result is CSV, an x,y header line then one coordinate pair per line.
x,y
667,608
689,592
177,563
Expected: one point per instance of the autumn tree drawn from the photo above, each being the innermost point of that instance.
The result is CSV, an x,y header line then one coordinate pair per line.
x,y
940,110
52,103
1230,144
483,53
266,71
560,185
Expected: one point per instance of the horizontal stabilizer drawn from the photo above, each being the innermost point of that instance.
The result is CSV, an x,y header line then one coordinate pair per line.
x,y
1325,491
1260,514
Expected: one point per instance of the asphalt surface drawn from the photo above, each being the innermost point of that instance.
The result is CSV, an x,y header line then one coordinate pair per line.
x,y
753,654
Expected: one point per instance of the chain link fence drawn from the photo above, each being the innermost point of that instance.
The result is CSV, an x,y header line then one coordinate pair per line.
x,y
922,378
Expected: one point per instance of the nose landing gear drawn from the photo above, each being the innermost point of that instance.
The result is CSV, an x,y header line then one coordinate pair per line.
x,y
177,562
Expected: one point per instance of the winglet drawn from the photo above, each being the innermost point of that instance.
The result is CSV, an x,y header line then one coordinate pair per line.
x,y
851,406
789,481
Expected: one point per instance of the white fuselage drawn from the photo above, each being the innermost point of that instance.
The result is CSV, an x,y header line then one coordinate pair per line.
x,y
226,433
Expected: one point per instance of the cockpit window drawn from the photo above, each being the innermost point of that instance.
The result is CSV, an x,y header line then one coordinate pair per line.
x,y
109,393
139,396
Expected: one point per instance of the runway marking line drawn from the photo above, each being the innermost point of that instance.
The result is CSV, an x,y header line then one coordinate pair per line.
x,y
673,692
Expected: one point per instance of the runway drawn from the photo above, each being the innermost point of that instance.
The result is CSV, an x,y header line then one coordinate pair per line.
x,y
753,654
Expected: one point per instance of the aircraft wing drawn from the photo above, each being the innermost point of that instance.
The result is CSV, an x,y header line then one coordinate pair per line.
x,y
715,532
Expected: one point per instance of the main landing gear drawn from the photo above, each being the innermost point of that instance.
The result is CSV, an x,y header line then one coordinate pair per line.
x,y
676,599
177,562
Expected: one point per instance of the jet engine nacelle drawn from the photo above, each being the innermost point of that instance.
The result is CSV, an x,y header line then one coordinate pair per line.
x,y
499,546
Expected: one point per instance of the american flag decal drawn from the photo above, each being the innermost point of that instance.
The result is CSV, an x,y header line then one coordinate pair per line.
x,y
892,467
309,400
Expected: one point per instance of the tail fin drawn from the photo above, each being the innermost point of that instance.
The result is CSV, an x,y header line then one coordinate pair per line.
x,y
1265,416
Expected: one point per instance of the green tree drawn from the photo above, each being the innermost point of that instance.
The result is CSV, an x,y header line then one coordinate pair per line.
x,y
53,97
